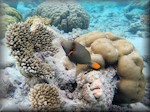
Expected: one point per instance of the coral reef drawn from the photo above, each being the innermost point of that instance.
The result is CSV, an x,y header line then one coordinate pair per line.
x,y
97,88
27,38
94,90
55,82
66,15
13,90
114,50
9,15
6,85
137,26
44,97
34,20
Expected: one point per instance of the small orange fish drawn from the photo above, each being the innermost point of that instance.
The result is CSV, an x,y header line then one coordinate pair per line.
x,y
77,53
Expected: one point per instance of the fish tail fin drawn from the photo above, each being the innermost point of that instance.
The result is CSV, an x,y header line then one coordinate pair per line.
x,y
95,65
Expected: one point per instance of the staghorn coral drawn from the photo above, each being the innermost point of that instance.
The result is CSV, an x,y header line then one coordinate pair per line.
x,y
26,38
108,49
9,15
44,97
65,14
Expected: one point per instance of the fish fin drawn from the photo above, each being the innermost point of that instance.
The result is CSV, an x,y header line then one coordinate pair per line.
x,y
70,53
95,65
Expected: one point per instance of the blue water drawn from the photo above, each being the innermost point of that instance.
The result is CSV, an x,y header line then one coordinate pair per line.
x,y
118,16
112,16
122,17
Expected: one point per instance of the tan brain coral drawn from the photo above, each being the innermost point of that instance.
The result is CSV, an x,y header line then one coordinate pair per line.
x,y
45,97
104,47
27,38
109,49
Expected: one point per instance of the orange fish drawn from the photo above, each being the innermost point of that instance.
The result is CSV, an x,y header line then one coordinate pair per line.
x,y
77,53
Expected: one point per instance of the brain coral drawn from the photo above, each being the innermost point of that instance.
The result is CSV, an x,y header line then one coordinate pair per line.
x,y
65,14
109,49
27,38
9,15
44,97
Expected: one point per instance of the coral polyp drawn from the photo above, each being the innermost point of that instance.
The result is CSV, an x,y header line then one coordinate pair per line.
x,y
26,38
45,97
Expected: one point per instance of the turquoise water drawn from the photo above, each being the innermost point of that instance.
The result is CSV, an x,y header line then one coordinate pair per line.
x,y
118,16
126,19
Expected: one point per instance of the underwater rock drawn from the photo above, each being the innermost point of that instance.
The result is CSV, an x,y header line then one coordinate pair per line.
x,y
9,15
135,27
94,90
66,15
97,88
6,85
134,14
26,38
6,60
121,53
134,5
146,99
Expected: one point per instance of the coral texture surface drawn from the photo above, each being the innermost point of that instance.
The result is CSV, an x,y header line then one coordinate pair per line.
x,y
9,15
65,15
108,49
27,38
44,97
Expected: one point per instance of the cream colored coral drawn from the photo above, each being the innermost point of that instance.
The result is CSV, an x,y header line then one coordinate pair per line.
x,y
132,83
123,46
24,42
109,49
44,97
127,62
99,59
106,49
45,21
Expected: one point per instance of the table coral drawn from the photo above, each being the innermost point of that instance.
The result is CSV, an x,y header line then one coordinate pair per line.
x,y
109,49
66,15
26,38
44,97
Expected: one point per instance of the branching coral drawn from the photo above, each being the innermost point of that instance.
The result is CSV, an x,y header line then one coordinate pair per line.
x,y
45,97
108,49
27,38
66,14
